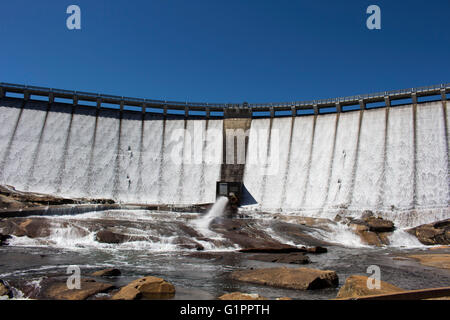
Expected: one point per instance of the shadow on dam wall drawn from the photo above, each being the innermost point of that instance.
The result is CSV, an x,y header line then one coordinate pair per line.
x,y
390,160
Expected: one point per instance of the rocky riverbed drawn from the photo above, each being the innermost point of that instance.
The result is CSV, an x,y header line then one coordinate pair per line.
x,y
158,253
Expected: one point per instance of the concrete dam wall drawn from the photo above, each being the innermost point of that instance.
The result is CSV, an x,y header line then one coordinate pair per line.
x,y
390,160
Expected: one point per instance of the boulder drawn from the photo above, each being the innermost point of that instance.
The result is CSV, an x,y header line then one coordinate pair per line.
x,y
291,258
31,227
356,286
150,286
107,273
379,224
241,296
88,288
290,278
107,236
5,290
437,260
188,243
433,233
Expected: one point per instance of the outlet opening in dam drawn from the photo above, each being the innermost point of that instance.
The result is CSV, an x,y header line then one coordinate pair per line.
x,y
116,175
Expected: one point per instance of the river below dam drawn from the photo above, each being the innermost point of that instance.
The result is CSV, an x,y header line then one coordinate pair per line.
x,y
197,254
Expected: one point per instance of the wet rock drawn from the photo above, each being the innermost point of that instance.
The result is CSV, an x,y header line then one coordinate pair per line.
x,y
244,233
241,296
437,260
33,228
88,288
317,250
107,236
433,233
5,290
188,243
379,224
149,286
356,286
281,248
291,278
301,233
4,239
289,258
107,273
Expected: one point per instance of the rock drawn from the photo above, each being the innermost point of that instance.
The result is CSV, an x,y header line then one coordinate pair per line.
x,y
107,273
31,227
433,260
433,233
373,238
4,239
5,290
379,224
284,298
291,258
291,278
356,286
88,288
145,286
276,249
241,296
113,237
439,247
316,250
188,243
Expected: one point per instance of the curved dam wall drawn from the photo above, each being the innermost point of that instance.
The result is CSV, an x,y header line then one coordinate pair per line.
x,y
81,152
393,161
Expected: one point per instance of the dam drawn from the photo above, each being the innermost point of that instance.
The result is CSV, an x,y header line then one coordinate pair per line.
x,y
384,152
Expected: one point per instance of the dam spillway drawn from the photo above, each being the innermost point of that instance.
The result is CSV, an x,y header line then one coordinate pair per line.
x,y
392,160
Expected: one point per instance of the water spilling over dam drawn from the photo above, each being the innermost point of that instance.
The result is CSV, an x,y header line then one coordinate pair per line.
x,y
391,159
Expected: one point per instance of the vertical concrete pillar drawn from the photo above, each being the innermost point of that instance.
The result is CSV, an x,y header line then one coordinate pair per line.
x,y
293,111
272,112
2,92
387,101
144,108
75,100
121,105
165,110
316,109
362,104
414,97
208,112
51,98
443,95
26,95
186,112
99,103
338,107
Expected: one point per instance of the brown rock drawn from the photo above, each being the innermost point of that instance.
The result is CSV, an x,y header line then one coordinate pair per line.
x,y
374,238
149,286
436,260
433,233
298,278
107,236
356,286
241,296
284,298
5,290
291,258
379,225
89,287
107,273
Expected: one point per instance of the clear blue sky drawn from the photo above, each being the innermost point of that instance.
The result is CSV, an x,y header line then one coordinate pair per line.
x,y
226,51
